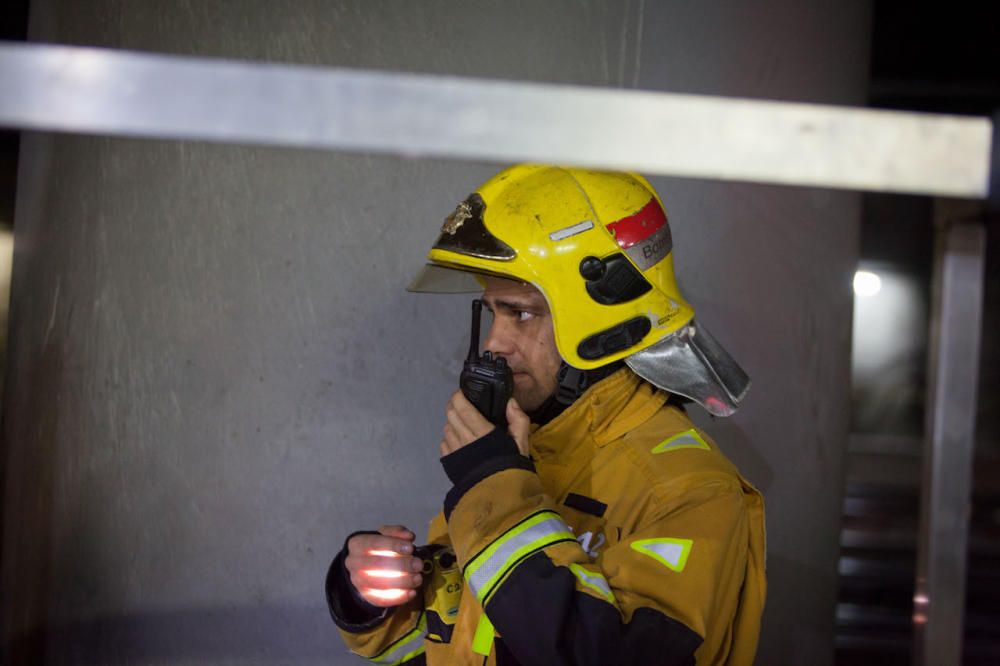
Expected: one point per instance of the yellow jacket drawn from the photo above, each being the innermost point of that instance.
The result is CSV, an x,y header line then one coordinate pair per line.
x,y
630,539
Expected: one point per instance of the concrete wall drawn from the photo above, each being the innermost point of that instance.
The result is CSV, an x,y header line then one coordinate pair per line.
x,y
215,373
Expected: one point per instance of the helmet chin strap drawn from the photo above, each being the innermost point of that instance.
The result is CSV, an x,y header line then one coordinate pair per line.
x,y
571,384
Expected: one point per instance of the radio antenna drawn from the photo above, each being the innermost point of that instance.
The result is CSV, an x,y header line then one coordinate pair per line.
x,y
477,313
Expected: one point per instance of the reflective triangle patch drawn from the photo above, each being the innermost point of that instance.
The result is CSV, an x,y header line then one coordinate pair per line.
x,y
689,439
671,553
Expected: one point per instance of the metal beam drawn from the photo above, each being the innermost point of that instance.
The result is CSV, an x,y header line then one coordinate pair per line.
x,y
97,91
946,493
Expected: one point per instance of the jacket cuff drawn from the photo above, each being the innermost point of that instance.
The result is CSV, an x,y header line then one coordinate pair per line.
x,y
494,444
493,452
348,608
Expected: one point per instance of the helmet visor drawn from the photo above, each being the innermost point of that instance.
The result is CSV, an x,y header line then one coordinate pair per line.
x,y
434,279
691,363
465,233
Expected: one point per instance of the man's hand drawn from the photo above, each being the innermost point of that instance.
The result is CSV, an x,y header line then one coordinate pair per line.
x,y
465,425
382,567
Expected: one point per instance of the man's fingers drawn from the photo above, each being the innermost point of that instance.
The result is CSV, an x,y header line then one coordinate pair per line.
x,y
451,441
397,531
459,426
517,415
519,426
469,416
461,404
369,579
387,598
382,567
381,572
366,580
364,544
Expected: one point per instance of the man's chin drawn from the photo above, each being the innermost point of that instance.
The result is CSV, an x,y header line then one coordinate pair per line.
x,y
529,400
529,392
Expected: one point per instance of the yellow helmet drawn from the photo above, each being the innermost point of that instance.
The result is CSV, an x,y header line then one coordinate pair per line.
x,y
598,247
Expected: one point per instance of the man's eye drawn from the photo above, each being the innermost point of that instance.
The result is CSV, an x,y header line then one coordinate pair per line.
x,y
524,315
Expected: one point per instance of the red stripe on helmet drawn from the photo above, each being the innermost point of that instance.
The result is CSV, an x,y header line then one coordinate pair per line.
x,y
639,226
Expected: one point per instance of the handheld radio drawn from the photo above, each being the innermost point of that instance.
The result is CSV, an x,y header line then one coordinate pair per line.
x,y
486,381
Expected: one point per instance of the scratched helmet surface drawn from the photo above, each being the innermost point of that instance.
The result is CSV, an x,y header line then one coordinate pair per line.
x,y
598,246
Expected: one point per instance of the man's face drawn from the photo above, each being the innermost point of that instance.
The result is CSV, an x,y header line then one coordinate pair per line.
x,y
522,333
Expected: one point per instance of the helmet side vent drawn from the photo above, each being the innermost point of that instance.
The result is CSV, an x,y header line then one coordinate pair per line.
x,y
614,339
613,280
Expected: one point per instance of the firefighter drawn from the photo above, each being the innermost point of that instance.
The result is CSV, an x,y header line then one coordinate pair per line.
x,y
599,526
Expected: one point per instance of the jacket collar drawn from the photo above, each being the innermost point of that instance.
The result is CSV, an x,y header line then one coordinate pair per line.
x,y
606,411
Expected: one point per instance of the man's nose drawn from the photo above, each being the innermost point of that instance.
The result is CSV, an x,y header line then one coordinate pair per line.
x,y
497,340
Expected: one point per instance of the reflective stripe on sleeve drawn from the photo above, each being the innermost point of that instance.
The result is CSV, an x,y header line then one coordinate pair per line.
x,y
671,553
689,439
482,642
594,581
406,648
536,532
